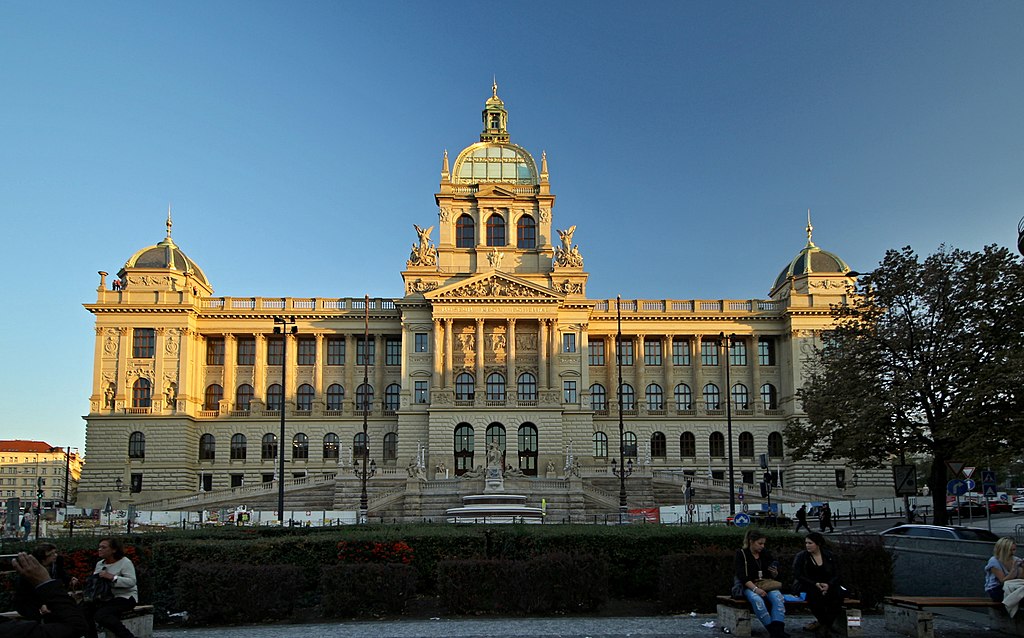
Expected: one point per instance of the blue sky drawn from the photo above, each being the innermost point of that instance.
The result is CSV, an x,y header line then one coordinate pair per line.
x,y
299,142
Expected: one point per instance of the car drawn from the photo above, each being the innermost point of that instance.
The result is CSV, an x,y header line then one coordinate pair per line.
x,y
1018,505
968,509
947,532
998,505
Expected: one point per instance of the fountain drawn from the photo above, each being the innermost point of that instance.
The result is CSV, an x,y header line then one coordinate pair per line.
x,y
494,505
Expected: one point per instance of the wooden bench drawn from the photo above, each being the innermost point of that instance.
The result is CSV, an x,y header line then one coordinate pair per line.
x,y
734,616
139,621
908,614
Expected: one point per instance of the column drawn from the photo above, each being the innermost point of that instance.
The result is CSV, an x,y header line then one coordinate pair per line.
x,y
379,356
755,379
318,369
584,361
186,372
698,372
99,386
510,354
122,389
554,347
542,353
159,399
350,368
448,361
666,366
437,347
259,369
290,370
610,369
230,359
639,365
480,381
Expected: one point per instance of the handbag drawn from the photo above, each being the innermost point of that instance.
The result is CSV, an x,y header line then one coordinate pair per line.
x,y
97,590
768,584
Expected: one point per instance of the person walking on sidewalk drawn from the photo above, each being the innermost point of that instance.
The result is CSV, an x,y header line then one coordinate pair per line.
x,y
801,519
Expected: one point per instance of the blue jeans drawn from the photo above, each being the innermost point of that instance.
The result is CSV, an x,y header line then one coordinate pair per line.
x,y
778,606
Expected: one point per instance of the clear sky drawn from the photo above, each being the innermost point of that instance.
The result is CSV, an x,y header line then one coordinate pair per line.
x,y
298,142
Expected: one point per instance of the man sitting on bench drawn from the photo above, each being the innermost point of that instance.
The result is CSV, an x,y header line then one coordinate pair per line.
x,y
65,618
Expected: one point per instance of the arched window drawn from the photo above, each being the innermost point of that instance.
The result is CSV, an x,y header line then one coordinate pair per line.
x,y
684,397
527,389
600,445
142,394
464,387
629,444
746,444
740,397
364,397
495,387
775,445
465,232
136,445
207,447
628,397
391,396
496,230
238,445
335,396
463,448
300,446
214,393
243,397
268,447
712,397
331,446
769,397
304,397
275,397
360,446
496,434
390,447
598,398
655,397
687,445
659,446
528,449
716,445
526,232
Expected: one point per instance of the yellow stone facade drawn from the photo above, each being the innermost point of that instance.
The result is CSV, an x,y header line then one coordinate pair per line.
x,y
495,338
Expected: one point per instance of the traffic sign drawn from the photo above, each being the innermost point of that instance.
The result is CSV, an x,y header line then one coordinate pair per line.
x,y
968,472
904,478
990,491
741,520
956,487
955,467
988,476
970,484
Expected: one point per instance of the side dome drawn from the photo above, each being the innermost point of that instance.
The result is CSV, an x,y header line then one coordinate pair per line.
x,y
165,256
811,260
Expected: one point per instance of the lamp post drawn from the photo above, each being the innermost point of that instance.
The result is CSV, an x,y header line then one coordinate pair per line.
x,y
364,501
283,330
1020,236
727,343
67,469
622,469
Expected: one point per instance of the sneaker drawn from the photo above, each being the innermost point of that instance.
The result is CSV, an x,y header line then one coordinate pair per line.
x,y
812,627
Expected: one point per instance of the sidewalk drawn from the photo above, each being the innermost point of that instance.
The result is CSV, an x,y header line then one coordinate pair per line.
x,y
565,627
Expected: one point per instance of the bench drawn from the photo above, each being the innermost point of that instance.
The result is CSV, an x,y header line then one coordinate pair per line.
x,y
139,621
909,614
734,616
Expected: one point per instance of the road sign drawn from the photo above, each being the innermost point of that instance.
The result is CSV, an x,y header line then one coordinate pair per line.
x,y
955,467
956,487
970,484
990,490
904,479
988,476
691,507
741,520
968,472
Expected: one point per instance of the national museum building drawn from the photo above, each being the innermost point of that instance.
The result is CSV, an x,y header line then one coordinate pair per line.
x,y
494,341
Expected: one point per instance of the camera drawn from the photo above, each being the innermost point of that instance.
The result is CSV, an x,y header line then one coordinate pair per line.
x,y
5,562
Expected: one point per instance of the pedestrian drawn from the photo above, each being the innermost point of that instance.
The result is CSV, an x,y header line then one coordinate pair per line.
x,y
912,515
801,519
26,525
826,518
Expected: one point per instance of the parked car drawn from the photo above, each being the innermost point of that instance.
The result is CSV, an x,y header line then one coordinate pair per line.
x,y
947,532
967,508
998,505
1018,505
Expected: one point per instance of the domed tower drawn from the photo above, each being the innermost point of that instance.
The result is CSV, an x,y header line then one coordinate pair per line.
x,y
494,214
812,271
163,267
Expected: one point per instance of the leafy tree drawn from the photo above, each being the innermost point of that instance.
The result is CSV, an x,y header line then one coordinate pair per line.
x,y
926,359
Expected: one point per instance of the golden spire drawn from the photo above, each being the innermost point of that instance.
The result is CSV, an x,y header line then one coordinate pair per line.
x,y
169,223
810,229
494,86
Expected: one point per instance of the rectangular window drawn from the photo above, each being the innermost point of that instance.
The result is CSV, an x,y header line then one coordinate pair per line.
x,y
652,352
236,480
306,347
738,353
422,392
626,351
766,351
143,343
568,342
422,342
246,351
215,351
392,351
136,483
595,352
335,351
680,352
275,351
569,392
267,478
365,350
709,352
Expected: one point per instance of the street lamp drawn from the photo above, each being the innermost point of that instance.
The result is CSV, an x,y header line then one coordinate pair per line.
x,y
364,501
283,330
1020,236
727,343
622,469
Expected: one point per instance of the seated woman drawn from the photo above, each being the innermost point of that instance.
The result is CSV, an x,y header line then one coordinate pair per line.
x,y
1001,567
119,570
753,564
816,571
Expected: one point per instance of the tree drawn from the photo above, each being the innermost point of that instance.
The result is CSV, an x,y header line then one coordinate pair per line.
x,y
926,359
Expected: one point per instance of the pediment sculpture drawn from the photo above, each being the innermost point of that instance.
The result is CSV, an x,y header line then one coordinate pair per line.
x,y
491,287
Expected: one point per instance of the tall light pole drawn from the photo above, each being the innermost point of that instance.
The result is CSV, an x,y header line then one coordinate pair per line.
x,y
364,501
727,342
623,470
283,330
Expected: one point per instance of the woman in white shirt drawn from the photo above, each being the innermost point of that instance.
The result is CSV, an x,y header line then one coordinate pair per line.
x,y
119,570
1001,567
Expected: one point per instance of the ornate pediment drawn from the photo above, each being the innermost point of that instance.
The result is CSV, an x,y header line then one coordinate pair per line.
x,y
494,286
494,190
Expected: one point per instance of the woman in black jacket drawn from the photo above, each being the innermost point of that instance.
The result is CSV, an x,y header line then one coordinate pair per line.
x,y
816,571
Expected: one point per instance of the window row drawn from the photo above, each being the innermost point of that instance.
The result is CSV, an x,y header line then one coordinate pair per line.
x,y
495,225
652,352
366,350
688,445
238,448
655,397
465,387
304,396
